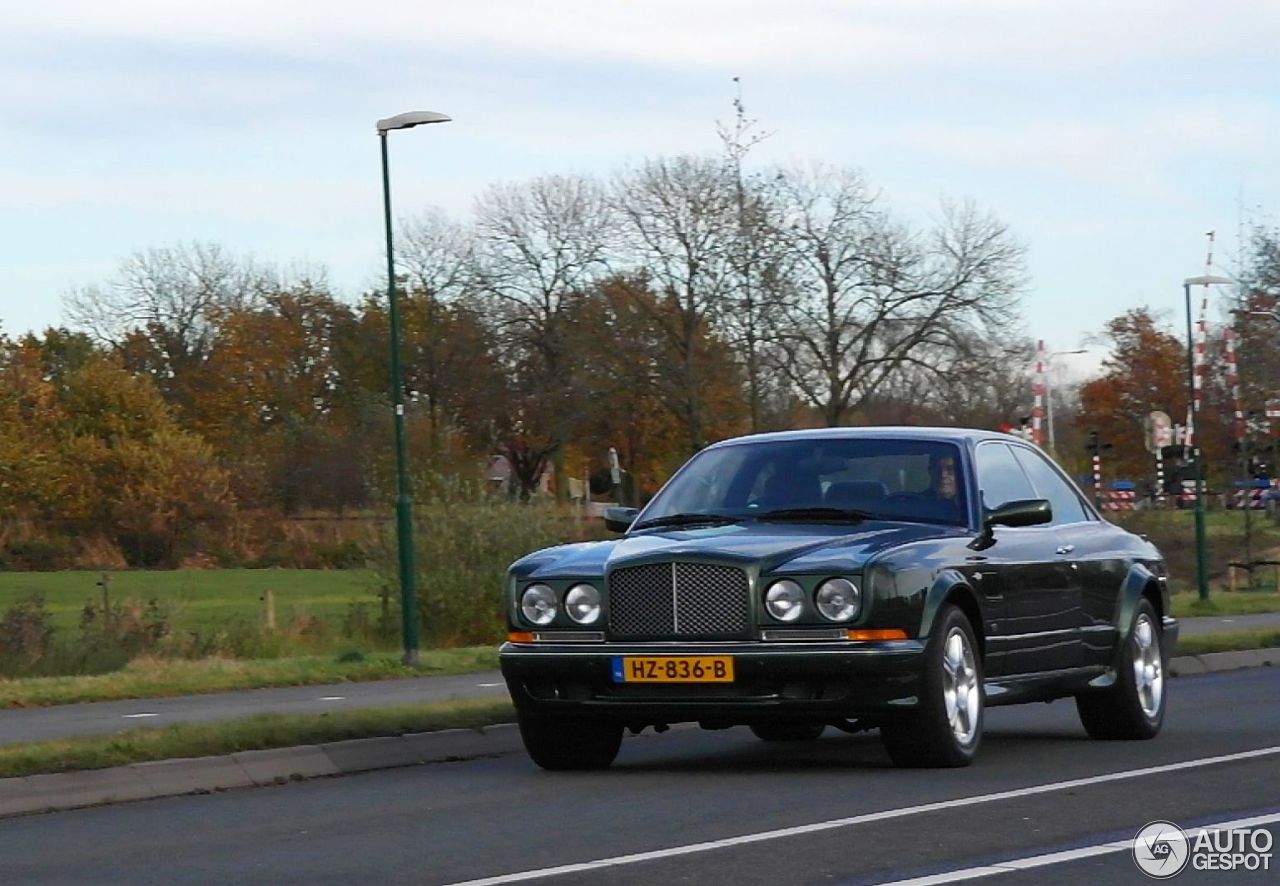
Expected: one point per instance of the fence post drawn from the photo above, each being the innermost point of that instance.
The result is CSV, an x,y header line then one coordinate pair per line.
x,y
269,608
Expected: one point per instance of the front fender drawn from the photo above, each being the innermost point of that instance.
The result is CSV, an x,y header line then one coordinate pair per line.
x,y
949,583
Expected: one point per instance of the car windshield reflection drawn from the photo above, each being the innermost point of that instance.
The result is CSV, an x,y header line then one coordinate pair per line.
x,y
817,480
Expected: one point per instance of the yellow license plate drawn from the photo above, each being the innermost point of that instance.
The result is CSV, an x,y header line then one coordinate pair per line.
x,y
673,669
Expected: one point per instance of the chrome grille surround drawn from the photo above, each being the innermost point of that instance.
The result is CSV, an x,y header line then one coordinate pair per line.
x,y
685,600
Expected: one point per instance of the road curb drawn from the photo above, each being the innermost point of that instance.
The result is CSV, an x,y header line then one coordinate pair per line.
x,y
201,775
1214,662
170,778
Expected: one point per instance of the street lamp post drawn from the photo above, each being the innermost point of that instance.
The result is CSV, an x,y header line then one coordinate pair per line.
x,y
404,500
1048,392
1202,553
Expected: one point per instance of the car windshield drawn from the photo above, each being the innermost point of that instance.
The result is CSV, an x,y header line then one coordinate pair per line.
x,y
820,479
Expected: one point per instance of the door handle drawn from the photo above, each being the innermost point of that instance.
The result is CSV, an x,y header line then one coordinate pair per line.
x,y
1066,549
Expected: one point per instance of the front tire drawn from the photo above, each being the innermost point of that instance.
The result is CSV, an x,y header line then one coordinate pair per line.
x,y
948,728
564,743
1132,708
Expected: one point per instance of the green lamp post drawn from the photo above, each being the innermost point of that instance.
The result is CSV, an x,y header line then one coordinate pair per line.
x,y
1202,552
404,500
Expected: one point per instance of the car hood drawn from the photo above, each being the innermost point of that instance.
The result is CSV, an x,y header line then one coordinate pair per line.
x,y
771,547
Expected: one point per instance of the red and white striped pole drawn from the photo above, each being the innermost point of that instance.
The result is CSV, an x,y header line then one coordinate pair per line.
x,y
1233,382
1037,392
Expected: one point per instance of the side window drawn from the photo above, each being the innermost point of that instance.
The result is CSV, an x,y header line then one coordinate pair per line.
x,y
1062,498
1000,478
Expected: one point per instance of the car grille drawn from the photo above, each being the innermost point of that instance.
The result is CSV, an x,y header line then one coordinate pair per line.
x,y
678,600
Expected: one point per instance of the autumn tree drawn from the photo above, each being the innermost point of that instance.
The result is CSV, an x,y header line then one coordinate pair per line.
x,y
627,360
1145,371
98,451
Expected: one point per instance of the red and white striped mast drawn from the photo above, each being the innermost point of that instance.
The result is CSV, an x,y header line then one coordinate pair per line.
x,y
1037,393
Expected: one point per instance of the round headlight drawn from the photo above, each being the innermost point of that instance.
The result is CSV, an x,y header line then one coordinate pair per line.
x,y
538,604
583,604
784,600
838,599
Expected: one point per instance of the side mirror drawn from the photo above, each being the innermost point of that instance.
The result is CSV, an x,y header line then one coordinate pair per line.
x,y
1029,512
619,519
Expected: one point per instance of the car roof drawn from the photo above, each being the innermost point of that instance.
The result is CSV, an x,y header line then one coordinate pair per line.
x,y
881,432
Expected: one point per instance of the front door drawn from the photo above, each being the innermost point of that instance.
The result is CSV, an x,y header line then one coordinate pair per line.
x,y
1038,626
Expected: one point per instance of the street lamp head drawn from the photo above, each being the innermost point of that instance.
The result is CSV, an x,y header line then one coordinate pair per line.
x,y
1208,280
410,119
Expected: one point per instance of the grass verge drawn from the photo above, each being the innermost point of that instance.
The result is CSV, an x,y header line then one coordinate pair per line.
x,y
255,733
157,678
1189,605
1228,641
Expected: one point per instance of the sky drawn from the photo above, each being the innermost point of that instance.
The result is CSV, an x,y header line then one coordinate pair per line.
x,y
1109,136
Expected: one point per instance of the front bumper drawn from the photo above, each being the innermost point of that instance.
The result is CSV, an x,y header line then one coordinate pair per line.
x,y
772,681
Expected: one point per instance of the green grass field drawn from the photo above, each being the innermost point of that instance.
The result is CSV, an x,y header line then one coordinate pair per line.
x,y
200,600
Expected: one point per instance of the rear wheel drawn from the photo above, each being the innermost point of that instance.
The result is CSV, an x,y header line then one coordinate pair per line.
x,y
948,728
785,731
1132,707
560,743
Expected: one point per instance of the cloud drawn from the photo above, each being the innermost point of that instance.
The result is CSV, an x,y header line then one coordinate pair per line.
x,y
812,34
1136,155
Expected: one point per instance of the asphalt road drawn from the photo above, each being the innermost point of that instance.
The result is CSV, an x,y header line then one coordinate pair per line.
x,y
831,811
103,718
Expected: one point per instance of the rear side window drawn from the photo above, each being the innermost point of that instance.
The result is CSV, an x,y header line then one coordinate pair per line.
x,y
1000,478
1062,498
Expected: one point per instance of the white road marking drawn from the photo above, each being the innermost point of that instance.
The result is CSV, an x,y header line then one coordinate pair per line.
x,y
487,685
136,716
833,824
333,698
1039,861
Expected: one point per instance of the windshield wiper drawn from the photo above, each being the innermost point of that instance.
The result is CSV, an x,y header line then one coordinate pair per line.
x,y
687,520
818,515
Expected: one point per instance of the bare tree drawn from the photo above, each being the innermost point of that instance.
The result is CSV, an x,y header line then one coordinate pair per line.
x,y
680,231
755,254
162,309
435,255
176,288
540,245
872,299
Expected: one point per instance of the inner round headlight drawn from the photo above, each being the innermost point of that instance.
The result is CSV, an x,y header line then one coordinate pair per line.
x,y
538,604
838,599
784,600
583,604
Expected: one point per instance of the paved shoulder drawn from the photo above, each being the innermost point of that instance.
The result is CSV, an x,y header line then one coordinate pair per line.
x,y
105,717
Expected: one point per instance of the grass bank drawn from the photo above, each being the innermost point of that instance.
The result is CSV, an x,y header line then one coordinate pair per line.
x,y
157,678
1187,604
200,599
254,733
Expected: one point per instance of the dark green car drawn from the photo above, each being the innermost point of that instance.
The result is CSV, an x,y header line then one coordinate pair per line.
x,y
893,578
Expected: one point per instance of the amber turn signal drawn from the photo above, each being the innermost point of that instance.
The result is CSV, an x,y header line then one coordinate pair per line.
x,y
890,634
520,636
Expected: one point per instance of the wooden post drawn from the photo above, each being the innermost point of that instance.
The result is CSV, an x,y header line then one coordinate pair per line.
x,y
269,608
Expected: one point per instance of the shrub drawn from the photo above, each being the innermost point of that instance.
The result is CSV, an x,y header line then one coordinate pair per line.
x,y
26,633
39,554
462,550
